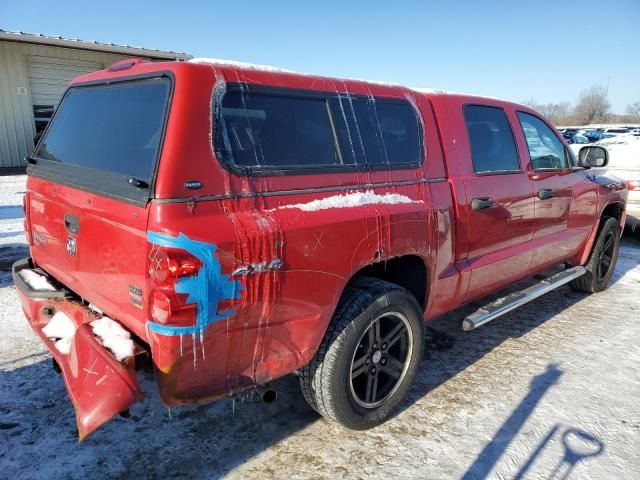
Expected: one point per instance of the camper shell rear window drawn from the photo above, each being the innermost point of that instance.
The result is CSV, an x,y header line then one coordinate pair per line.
x,y
107,137
260,130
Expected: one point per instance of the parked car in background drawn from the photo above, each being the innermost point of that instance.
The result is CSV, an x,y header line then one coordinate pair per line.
x,y
572,135
579,138
596,135
617,130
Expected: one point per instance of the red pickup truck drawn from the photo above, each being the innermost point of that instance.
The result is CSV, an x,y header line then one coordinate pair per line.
x,y
233,224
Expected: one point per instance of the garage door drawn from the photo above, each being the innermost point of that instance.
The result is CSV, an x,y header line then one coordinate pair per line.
x,y
48,79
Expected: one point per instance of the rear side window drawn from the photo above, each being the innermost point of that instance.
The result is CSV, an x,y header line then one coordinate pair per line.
x,y
493,148
113,128
399,128
261,130
545,149
377,131
267,129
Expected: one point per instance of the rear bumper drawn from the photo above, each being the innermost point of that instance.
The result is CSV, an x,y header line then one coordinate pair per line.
x,y
98,384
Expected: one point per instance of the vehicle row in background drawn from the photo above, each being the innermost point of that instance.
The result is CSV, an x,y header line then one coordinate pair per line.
x,y
583,135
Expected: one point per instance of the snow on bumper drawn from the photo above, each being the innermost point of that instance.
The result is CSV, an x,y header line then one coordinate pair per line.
x,y
98,384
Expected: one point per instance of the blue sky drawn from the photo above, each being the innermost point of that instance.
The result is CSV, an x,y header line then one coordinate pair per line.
x,y
547,50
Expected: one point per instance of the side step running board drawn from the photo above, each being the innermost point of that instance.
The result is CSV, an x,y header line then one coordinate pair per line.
x,y
514,300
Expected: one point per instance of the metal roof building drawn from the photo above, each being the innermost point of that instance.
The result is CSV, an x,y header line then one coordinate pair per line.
x,y
35,70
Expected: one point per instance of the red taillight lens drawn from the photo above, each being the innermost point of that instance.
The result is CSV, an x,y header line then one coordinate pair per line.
x,y
160,306
166,267
166,264
633,185
170,307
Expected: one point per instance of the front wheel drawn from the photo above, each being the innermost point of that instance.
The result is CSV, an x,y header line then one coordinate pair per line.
x,y
369,356
602,261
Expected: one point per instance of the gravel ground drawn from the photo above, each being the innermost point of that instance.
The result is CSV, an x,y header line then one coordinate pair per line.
x,y
548,391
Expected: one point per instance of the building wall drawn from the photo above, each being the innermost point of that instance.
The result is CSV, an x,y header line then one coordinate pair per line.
x,y
17,127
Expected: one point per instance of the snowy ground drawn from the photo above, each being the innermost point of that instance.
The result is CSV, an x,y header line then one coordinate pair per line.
x,y
549,389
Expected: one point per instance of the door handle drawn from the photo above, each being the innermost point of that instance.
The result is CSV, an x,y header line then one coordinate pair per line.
x,y
482,203
71,223
546,193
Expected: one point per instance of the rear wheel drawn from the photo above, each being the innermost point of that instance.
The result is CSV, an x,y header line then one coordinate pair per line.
x,y
369,356
602,261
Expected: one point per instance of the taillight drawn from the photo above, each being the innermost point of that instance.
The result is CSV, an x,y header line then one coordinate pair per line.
x,y
633,185
166,264
169,307
166,267
160,306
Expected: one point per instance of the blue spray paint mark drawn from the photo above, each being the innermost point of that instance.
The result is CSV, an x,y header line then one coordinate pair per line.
x,y
206,289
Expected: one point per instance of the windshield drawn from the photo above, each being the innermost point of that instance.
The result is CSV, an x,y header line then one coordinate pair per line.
x,y
114,128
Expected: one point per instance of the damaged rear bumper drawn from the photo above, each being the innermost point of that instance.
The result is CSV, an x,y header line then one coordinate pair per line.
x,y
98,384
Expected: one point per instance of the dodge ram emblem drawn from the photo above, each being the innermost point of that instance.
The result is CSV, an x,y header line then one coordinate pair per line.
x,y
71,246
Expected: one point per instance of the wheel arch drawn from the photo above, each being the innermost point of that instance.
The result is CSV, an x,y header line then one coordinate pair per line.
x,y
409,271
614,210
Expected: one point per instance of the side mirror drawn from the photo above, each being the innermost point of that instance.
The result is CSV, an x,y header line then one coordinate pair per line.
x,y
593,156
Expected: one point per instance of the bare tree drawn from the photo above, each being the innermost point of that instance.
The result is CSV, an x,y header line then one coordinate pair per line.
x,y
563,112
593,105
531,102
558,113
633,110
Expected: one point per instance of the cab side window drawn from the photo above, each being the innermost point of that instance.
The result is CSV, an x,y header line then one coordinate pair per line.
x,y
545,148
493,148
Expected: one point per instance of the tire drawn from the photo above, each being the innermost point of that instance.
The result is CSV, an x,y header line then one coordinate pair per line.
x,y
606,247
352,380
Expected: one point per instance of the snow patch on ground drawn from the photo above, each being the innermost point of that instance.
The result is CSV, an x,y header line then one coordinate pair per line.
x,y
354,199
61,329
113,337
36,281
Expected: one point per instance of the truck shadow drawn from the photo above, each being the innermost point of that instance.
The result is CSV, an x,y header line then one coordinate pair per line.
x,y
487,459
576,445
